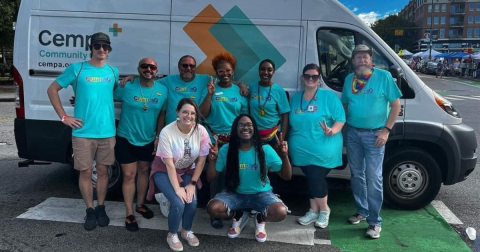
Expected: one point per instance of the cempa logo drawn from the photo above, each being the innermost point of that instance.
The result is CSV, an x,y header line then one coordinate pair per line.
x,y
241,38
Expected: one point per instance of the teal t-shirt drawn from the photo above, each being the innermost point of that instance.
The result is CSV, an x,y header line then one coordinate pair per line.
x,y
93,98
369,108
226,105
250,179
136,125
179,89
276,104
308,145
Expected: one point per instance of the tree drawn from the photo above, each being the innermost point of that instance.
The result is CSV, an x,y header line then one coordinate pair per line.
x,y
385,28
8,15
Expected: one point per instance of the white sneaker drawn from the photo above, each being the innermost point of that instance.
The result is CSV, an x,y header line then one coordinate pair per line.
x,y
164,204
323,217
308,218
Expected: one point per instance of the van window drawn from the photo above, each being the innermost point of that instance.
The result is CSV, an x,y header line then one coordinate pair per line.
x,y
335,48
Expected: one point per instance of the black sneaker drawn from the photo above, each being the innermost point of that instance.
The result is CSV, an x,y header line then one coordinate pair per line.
x,y
144,211
131,224
216,223
102,217
90,220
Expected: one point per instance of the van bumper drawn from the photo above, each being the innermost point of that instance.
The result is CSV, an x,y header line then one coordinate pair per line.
x,y
43,140
465,139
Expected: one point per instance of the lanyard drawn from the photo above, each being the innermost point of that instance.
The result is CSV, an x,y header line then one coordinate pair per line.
x,y
310,102
262,108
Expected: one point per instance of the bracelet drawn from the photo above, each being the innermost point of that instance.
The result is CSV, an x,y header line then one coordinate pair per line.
x,y
387,128
157,137
64,117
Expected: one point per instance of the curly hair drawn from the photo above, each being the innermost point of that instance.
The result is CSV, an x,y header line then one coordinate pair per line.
x,y
227,57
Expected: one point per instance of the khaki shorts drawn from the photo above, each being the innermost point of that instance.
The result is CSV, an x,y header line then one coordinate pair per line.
x,y
85,150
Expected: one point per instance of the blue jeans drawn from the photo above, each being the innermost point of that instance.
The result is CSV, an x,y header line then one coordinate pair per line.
x,y
239,201
365,161
178,210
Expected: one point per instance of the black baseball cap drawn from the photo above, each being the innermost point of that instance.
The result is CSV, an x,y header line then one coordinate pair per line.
x,y
99,36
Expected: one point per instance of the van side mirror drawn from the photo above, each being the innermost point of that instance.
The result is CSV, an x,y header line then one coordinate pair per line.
x,y
397,73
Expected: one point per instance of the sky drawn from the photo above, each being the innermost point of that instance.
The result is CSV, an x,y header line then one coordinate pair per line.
x,y
371,10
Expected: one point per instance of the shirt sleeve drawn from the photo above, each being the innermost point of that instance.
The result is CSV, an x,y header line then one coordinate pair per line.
x,y
274,163
67,77
222,158
391,89
204,141
244,109
336,108
164,149
346,86
283,105
118,93
202,97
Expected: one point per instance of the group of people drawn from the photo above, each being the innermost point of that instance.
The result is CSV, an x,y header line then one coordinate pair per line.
x,y
182,123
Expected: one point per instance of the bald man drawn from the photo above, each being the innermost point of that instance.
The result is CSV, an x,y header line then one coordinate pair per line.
x,y
142,119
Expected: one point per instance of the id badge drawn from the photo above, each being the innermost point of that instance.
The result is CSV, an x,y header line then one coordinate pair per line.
x,y
310,108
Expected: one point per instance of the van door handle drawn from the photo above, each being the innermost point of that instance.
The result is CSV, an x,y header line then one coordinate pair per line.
x,y
401,111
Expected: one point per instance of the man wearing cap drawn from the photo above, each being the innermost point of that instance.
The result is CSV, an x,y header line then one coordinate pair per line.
x,y
93,122
367,94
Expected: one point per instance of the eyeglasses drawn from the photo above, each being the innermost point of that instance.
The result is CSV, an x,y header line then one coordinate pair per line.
x,y
309,76
245,126
188,65
222,71
106,47
145,66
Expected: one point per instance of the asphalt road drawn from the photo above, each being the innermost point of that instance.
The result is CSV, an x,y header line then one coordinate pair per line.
x,y
23,188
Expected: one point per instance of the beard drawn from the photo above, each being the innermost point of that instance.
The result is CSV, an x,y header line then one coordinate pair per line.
x,y
363,69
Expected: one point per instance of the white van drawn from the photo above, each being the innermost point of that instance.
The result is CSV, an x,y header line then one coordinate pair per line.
x,y
428,146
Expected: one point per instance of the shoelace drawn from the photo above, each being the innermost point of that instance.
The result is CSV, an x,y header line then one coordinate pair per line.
x,y
236,224
323,216
311,214
190,235
261,228
175,238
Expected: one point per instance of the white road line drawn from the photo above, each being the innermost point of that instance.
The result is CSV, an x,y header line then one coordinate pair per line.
x,y
445,212
465,97
453,99
73,210
322,242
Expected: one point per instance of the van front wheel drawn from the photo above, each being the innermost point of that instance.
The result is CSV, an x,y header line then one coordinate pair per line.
x,y
411,178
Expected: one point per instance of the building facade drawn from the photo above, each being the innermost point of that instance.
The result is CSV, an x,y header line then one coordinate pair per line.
x,y
450,25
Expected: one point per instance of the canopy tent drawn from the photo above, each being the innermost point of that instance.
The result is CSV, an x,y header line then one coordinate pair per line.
x,y
404,52
475,56
457,55
426,54
444,55
417,54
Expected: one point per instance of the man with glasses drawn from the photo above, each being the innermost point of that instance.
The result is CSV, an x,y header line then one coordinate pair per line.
x,y
371,100
142,119
93,122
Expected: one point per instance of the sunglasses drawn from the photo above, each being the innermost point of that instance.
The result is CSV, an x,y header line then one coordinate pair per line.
x,y
106,47
313,77
188,65
146,66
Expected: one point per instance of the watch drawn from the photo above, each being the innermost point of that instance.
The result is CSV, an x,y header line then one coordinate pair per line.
x,y
193,182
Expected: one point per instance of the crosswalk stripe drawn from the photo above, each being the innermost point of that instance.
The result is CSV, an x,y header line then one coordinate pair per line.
x,y
453,99
465,97
73,211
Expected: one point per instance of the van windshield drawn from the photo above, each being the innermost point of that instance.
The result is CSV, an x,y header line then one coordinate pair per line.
x,y
335,48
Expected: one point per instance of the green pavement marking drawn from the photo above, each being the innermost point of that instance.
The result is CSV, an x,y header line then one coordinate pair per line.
x,y
420,230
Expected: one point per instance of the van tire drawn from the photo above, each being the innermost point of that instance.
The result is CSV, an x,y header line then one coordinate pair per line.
x,y
115,178
411,178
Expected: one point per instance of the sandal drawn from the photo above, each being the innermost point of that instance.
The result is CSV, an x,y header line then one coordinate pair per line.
x,y
144,211
131,223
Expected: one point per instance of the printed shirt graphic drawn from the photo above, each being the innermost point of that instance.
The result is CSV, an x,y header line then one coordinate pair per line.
x,y
276,105
136,125
179,89
250,180
369,109
308,145
226,105
93,98
183,148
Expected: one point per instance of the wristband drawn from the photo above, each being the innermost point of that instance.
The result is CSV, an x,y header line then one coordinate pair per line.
x,y
64,117
387,128
193,182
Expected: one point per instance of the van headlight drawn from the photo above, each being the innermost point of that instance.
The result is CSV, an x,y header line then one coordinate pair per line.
x,y
446,105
